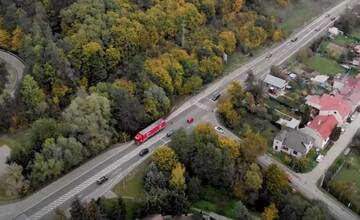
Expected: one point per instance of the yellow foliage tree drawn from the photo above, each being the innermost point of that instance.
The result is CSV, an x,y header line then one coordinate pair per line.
x,y
160,74
282,3
165,158
277,35
227,40
232,145
17,38
270,212
251,36
4,39
237,5
177,180
125,84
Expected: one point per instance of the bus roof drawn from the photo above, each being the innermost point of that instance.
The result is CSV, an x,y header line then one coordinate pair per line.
x,y
150,127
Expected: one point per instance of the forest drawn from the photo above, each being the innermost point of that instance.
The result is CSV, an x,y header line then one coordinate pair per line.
x,y
97,71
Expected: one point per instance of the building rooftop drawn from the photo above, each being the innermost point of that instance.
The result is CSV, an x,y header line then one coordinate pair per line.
x,y
295,140
331,102
275,81
324,125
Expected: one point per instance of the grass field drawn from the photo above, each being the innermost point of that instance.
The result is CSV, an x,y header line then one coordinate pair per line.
x,y
296,14
343,40
215,200
351,174
324,65
132,189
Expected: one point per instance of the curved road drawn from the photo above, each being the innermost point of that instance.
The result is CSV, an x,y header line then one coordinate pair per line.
x,y
121,160
17,68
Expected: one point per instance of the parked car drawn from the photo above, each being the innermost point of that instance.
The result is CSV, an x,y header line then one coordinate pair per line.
x,y
317,29
268,56
219,129
143,152
101,180
190,120
319,158
333,18
170,133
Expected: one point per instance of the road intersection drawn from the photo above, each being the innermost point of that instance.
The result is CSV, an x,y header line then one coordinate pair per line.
x,y
120,160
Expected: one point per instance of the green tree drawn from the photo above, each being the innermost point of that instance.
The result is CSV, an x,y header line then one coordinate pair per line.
x,y
253,177
44,170
314,213
239,211
112,209
77,209
254,145
32,94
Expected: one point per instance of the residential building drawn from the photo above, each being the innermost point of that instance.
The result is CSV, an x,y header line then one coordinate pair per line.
x,y
292,123
275,84
334,32
333,104
293,142
320,80
320,128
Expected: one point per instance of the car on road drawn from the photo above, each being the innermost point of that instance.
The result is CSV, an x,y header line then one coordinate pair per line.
x,y
327,15
294,39
219,129
319,158
317,29
332,19
190,120
101,180
143,152
170,133
215,96
268,56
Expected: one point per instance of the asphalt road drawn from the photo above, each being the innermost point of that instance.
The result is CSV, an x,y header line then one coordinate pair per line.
x,y
120,160
17,69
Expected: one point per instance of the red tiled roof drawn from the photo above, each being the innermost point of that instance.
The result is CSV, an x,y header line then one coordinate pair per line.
x,y
331,103
324,125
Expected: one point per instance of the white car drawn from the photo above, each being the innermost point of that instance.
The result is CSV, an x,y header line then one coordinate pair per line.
x,y
219,129
319,158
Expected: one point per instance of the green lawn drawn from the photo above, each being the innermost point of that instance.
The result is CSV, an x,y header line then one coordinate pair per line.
x,y
324,65
343,40
351,174
355,34
216,200
132,189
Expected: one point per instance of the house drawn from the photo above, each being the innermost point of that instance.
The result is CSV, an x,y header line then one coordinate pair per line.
x,y
334,32
320,80
154,217
293,142
333,104
351,91
357,49
355,62
275,84
320,128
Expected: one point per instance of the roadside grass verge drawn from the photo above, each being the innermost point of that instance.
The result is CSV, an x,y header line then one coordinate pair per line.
x,y
131,189
324,65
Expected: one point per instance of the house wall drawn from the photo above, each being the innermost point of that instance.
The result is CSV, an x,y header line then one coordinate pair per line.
x,y
319,142
277,145
291,152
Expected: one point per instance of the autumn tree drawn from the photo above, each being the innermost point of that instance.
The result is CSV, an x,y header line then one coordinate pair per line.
x,y
14,182
253,178
254,145
177,180
4,38
32,95
17,38
227,40
165,158
276,180
270,212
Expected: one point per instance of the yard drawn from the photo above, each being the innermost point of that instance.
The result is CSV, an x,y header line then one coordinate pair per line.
x,y
216,200
352,173
131,189
343,40
324,65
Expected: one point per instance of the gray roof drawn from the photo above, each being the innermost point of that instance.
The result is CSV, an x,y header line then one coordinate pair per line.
x,y
275,81
295,140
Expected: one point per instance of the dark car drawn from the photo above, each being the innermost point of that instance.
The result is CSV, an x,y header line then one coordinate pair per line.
x,y
294,39
143,152
215,96
101,180
170,133
333,18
